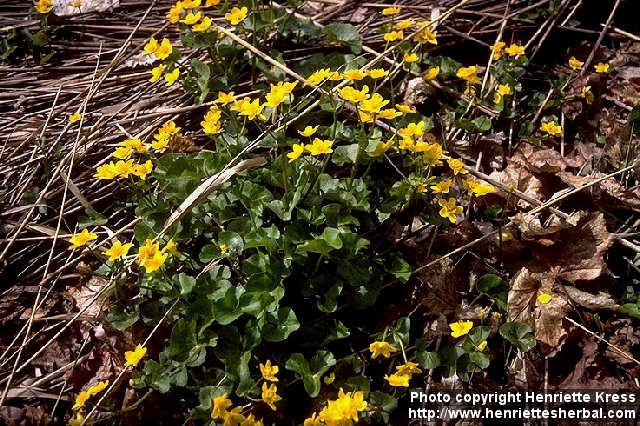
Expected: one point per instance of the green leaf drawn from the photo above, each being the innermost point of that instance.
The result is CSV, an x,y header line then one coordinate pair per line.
x,y
428,360
518,334
183,338
120,319
279,327
203,74
332,237
311,372
482,123
345,154
489,282
400,269
631,309
345,34
186,284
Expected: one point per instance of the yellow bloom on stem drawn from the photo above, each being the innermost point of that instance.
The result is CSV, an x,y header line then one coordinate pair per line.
x,y
442,187
319,146
151,47
308,131
83,396
449,209
330,378
457,166
318,76
514,50
203,25
389,114
235,15
191,18
497,49
602,68
552,128
164,50
81,239
143,169
250,420
156,73
233,417
122,152
220,405
269,371
377,73
481,346
248,108
431,73
469,74
398,380
587,94
575,64
134,144
297,151
410,57
118,250
354,74
406,108
392,10
43,6
173,15
432,156
381,348
504,89
171,77
76,116
408,368
477,188
151,257
133,357
381,148
404,24
124,168
544,298
426,35
314,420
106,171
374,104
393,36
210,3
211,122
226,98
171,247
460,328
412,130
278,93
191,4
342,411
270,395
348,93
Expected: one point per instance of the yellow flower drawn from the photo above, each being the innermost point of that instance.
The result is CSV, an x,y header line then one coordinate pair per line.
x,y
226,98
173,15
191,18
191,4
297,151
350,94
335,76
270,395
319,146
342,411
313,420
250,420
164,50
124,168
83,396
74,117
504,89
171,77
330,378
374,104
164,136
389,114
381,348
412,130
278,93
210,3
460,328
106,171
133,357
318,76
514,50
354,74
308,131
478,188
134,144
122,152
150,256
220,405
211,122
552,128
156,73
203,25
117,250
404,24
602,68
575,64
442,187
171,247
392,10
235,16
43,6
431,73
408,368
497,49
426,35
398,380
393,36
544,298
381,148
377,73
151,47
410,57
143,169
268,371
406,109
224,249
457,165
481,346
248,108
449,210
433,154
469,74
81,239
587,94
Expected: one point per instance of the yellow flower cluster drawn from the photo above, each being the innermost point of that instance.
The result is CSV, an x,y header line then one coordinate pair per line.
x,y
381,348
84,396
132,358
339,412
425,35
316,147
469,74
151,257
403,374
211,123
164,136
279,93
551,128
43,6
126,166
220,411
81,239
192,15
500,48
